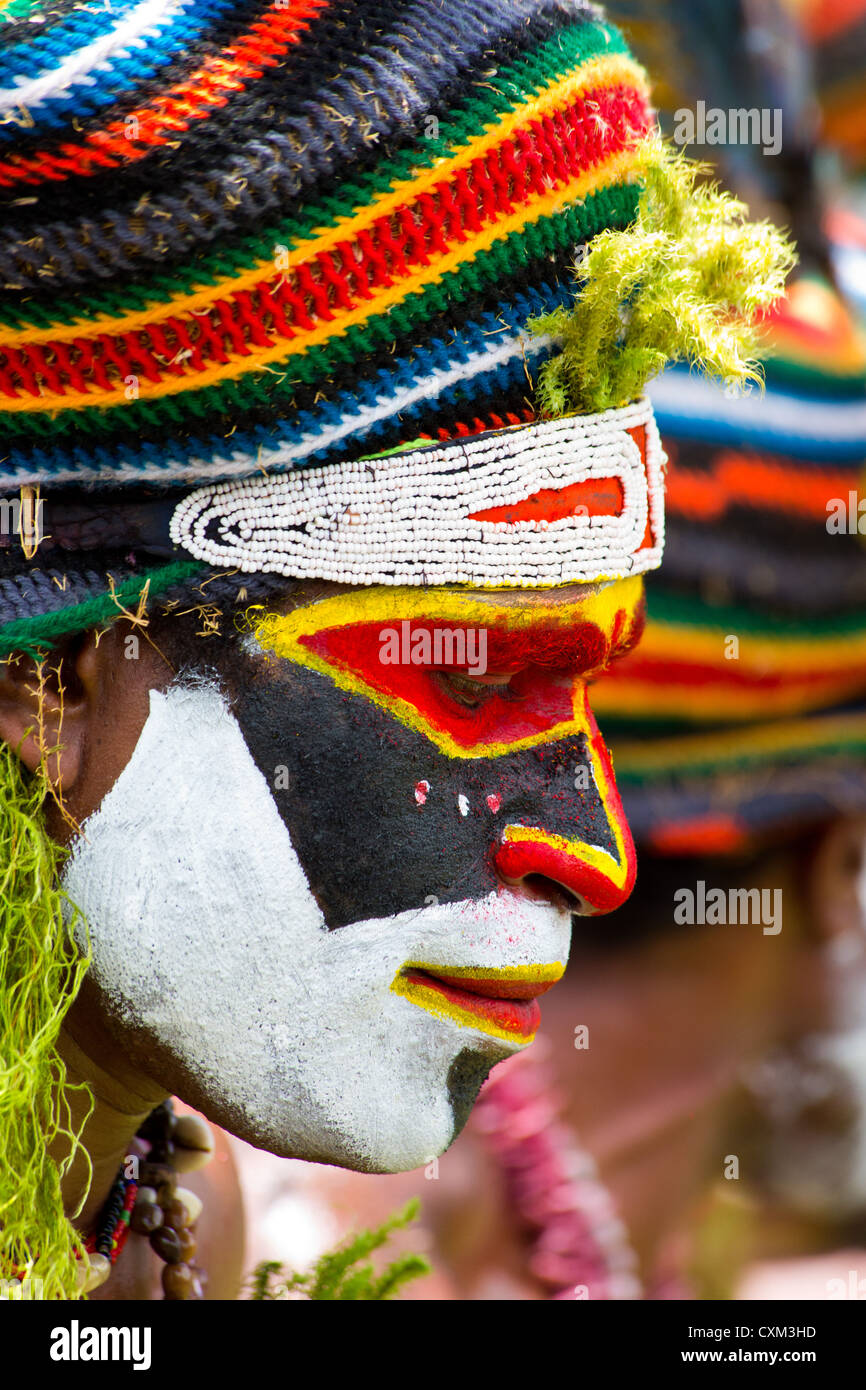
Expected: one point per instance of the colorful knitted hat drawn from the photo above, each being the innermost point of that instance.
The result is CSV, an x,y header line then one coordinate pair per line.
x,y
249,245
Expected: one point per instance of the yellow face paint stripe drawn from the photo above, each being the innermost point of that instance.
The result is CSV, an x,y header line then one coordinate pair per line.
x,y
606,71
616,870
435,1003
387,604
607,790
541,974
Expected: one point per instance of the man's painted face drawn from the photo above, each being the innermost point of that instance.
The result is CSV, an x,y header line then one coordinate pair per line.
x,y
332,884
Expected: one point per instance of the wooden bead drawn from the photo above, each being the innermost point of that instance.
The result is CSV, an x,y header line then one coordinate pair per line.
x,y
194,1144
188,1243
165,1194
176,1215
159,1123
100,1268
178,1281
191,1160
162,1151
92,1271
166,1244
158,1175
191,1201
192,1132
146,1218
146,1194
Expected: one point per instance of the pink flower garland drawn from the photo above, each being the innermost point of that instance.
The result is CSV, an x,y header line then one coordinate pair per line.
x,y
580,1247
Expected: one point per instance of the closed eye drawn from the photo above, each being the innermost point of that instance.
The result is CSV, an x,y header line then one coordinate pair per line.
x,y
473,692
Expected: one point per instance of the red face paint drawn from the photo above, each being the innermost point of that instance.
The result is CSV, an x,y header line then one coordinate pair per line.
x,y
545,661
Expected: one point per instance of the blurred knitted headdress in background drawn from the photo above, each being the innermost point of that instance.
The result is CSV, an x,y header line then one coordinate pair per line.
x,y
743,713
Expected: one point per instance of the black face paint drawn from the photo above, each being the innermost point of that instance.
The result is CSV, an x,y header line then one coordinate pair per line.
x,y
366,845
466,1076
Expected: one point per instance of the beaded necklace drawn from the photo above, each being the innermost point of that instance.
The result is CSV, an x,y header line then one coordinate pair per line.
x,y
145,1198
114,1221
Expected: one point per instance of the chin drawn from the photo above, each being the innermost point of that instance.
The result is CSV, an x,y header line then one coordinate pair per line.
x,y
403,1123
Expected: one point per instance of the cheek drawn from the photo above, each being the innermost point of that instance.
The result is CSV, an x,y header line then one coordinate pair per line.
x,y
381,819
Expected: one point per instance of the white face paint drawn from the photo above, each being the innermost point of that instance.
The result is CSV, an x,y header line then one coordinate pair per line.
x,y
207,940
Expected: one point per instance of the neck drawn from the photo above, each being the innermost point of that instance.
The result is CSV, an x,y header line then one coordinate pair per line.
x,y
122,1102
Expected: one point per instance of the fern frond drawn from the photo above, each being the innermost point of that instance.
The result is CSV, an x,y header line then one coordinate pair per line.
x,y
335,1277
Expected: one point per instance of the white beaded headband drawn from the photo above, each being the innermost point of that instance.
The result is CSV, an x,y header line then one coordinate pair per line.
x,y
575,500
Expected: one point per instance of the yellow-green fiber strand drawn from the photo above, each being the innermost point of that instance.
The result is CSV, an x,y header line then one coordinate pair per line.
x,y
41,970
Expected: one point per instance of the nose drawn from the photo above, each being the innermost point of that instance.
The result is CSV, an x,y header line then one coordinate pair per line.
x,y
528,856
594,863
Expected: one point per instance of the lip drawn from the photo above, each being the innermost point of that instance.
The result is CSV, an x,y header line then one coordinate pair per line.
x,y
501,1003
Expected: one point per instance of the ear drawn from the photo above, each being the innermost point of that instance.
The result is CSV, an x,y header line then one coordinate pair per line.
x,y
46,708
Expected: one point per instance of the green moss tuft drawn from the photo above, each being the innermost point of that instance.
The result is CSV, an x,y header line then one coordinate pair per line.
x,y
684,282
40,973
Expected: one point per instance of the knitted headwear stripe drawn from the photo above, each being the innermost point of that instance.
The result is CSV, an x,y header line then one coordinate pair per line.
x,y
34,55
48,78
49,99
517,83
479,350
426,412
614,205
81,27
316,111
75,121
466,315
493,390
39,633
677,610
596,95
261,288
20,10
201,95
787,741
130,359
142,128
506,360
